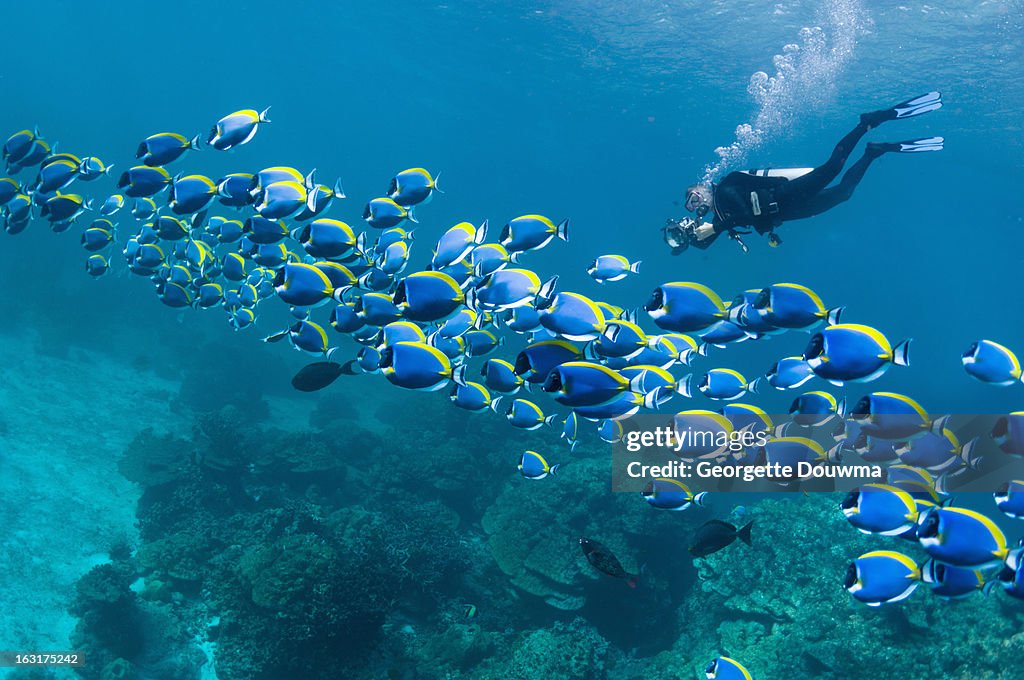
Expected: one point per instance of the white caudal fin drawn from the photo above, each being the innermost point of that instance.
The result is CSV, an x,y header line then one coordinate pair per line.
x,y
481,233
683,386
194,142
833,315
841,408
901,353
735,314
311,198
459,375
939,424
699,498
563,229
651,400
547,289
471,299
265,115
635,267
970,458
755,386
339,191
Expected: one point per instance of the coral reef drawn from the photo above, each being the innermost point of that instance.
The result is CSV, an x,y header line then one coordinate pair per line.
x,y
533,529
361,551
780,607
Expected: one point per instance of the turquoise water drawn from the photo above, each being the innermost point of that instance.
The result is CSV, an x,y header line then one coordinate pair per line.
x,y
266,519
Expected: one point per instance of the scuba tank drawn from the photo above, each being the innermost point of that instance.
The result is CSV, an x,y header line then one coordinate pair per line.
x,y
788,173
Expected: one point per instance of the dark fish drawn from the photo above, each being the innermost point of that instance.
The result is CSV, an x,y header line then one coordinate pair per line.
x,y
602,559
319,375
716,534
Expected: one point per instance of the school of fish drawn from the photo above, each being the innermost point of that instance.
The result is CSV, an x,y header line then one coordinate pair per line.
x,y
262,237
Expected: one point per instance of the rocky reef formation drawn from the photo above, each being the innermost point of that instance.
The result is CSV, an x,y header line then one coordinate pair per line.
x,y
411,549
781,608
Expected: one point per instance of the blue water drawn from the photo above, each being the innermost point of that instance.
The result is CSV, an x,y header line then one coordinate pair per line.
x,y
596,111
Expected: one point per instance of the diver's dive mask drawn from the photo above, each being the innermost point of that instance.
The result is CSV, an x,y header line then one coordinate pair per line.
x,y
699,199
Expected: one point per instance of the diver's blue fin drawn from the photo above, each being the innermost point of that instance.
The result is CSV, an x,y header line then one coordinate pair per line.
x,y
908,109
908,146
918,105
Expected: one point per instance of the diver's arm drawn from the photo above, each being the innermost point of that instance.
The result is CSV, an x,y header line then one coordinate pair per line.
x,y
705,234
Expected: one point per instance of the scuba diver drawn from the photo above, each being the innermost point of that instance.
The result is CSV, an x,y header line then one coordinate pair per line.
x,y
764,199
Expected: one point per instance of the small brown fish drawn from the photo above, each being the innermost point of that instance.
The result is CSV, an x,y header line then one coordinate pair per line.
x,y
602,559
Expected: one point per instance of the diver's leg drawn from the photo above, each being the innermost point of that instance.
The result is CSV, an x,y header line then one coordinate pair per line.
x,y
827,199
803,188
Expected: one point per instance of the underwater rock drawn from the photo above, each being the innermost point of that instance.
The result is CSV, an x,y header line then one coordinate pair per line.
x,y
286,573
152,459
119,669
573,650
178,557
779,606
460,645
108,626
534,527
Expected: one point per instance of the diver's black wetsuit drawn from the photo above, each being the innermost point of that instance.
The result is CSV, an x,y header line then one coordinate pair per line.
x,y
763,203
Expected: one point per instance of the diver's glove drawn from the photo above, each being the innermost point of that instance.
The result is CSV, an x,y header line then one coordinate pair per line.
x,y
704,232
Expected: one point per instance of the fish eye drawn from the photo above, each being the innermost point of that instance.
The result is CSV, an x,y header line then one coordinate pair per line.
x,y
387,355
711,668
393,186
1001,428
815,347
763,299
851,576
367,212
648,491
795,406
654,302
1003,489
506,231
851,500
762,456
939,570
970,351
